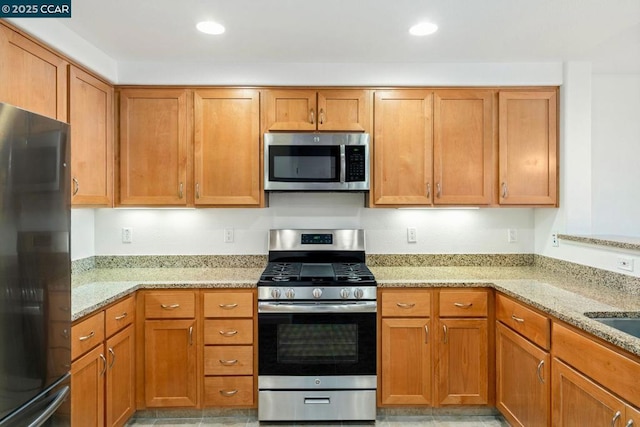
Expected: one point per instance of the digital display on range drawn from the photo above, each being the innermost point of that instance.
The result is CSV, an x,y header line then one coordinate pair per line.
x,y
317,239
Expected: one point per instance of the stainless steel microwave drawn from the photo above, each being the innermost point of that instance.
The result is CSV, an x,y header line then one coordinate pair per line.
x,y
316,161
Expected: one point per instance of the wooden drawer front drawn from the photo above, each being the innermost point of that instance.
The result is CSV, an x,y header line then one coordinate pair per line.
x,y
228,360
525,321
406,303
612,370
229,304
119,315
228,391
466,303
233,331
170,305
87,334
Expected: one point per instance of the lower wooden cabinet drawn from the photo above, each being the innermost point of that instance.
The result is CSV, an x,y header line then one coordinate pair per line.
x,y
87,389
120,377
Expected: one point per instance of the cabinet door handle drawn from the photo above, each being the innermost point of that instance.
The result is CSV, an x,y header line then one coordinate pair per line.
x,y
615,418
197,190
86,337
312,116
629,423
76,185
463,305
122,316
517,319
228,393
104,364
113,357
228,362
190,335
428,190
228,306
181,191
445,330
321,116
505,193
406,305
539,371
170,307
438,190
426,334
228,333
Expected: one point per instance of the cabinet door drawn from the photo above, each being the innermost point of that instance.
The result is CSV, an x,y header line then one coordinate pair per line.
x,y
227,147
33,78
405,362
463,362
91,118
170,363
523,380
87,389
154,135
120,394
463,147
344,110
403,121
578,401
528,132
290,110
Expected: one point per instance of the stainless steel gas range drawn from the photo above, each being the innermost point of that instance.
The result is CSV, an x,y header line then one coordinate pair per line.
x,y
316,328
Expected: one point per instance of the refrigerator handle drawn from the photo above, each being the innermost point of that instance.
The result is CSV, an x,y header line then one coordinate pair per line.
x,y
46,414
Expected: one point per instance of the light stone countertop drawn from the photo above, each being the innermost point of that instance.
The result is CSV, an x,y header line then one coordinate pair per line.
x,y
559,295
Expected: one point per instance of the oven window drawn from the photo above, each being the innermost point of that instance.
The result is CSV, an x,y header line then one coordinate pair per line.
x,y
304,163
331,343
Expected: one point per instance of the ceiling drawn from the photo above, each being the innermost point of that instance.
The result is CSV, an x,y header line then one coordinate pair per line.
x,y
604,32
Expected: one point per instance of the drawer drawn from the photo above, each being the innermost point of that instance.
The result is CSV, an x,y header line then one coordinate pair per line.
x,y
86,334
228,391
228,331
229,304
170,305
463,303
228,360
533,326
119,315
406,303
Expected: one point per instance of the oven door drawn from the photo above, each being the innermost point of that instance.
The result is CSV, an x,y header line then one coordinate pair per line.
x,y
312,339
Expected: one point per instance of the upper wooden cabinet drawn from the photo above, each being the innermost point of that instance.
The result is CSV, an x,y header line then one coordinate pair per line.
x,y
402,147
91,119
528,132
323,110
463,147
227,147
33,78
154,146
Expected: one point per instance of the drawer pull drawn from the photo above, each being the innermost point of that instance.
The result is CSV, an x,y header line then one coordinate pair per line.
x,y
228,362
405,305
317,400
539,371
170,307
517,319
615,418
86,337
228,393
227,306
228,333
463,305
122,316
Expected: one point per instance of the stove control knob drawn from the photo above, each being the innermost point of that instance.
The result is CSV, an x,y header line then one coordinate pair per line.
x,y
275,293
290,293
344,293
317,293
358,293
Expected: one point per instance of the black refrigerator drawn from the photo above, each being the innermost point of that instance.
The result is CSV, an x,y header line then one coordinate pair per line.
x,y
35,270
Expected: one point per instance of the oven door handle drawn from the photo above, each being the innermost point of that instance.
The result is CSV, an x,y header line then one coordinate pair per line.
x,y
314,307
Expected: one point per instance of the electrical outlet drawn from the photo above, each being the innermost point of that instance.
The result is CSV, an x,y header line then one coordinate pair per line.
x,y
512,235
127,235
554,240
412,235
625,263
228,235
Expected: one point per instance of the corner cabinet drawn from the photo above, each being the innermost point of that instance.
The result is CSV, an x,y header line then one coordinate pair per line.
x,y
528,146
227,147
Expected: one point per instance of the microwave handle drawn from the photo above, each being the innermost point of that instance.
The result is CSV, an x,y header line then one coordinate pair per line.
x,y
343,163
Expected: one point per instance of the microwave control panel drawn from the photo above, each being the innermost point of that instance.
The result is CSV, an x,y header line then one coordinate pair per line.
x,y
355,163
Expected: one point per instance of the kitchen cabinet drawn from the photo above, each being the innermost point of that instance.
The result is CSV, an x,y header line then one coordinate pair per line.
x,y
229,354
91,118
405,348
528,147
155,135
523,364
327,110
403,148
33,77
227,147
462,347
170,349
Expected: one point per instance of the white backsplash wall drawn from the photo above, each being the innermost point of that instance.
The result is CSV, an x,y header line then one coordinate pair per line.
x,y
201,231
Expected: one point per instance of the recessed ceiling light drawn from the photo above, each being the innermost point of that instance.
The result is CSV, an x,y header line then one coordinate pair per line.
x,y
423,29
210,27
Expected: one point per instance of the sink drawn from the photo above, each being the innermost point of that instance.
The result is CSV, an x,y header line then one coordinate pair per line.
x,y
629,325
